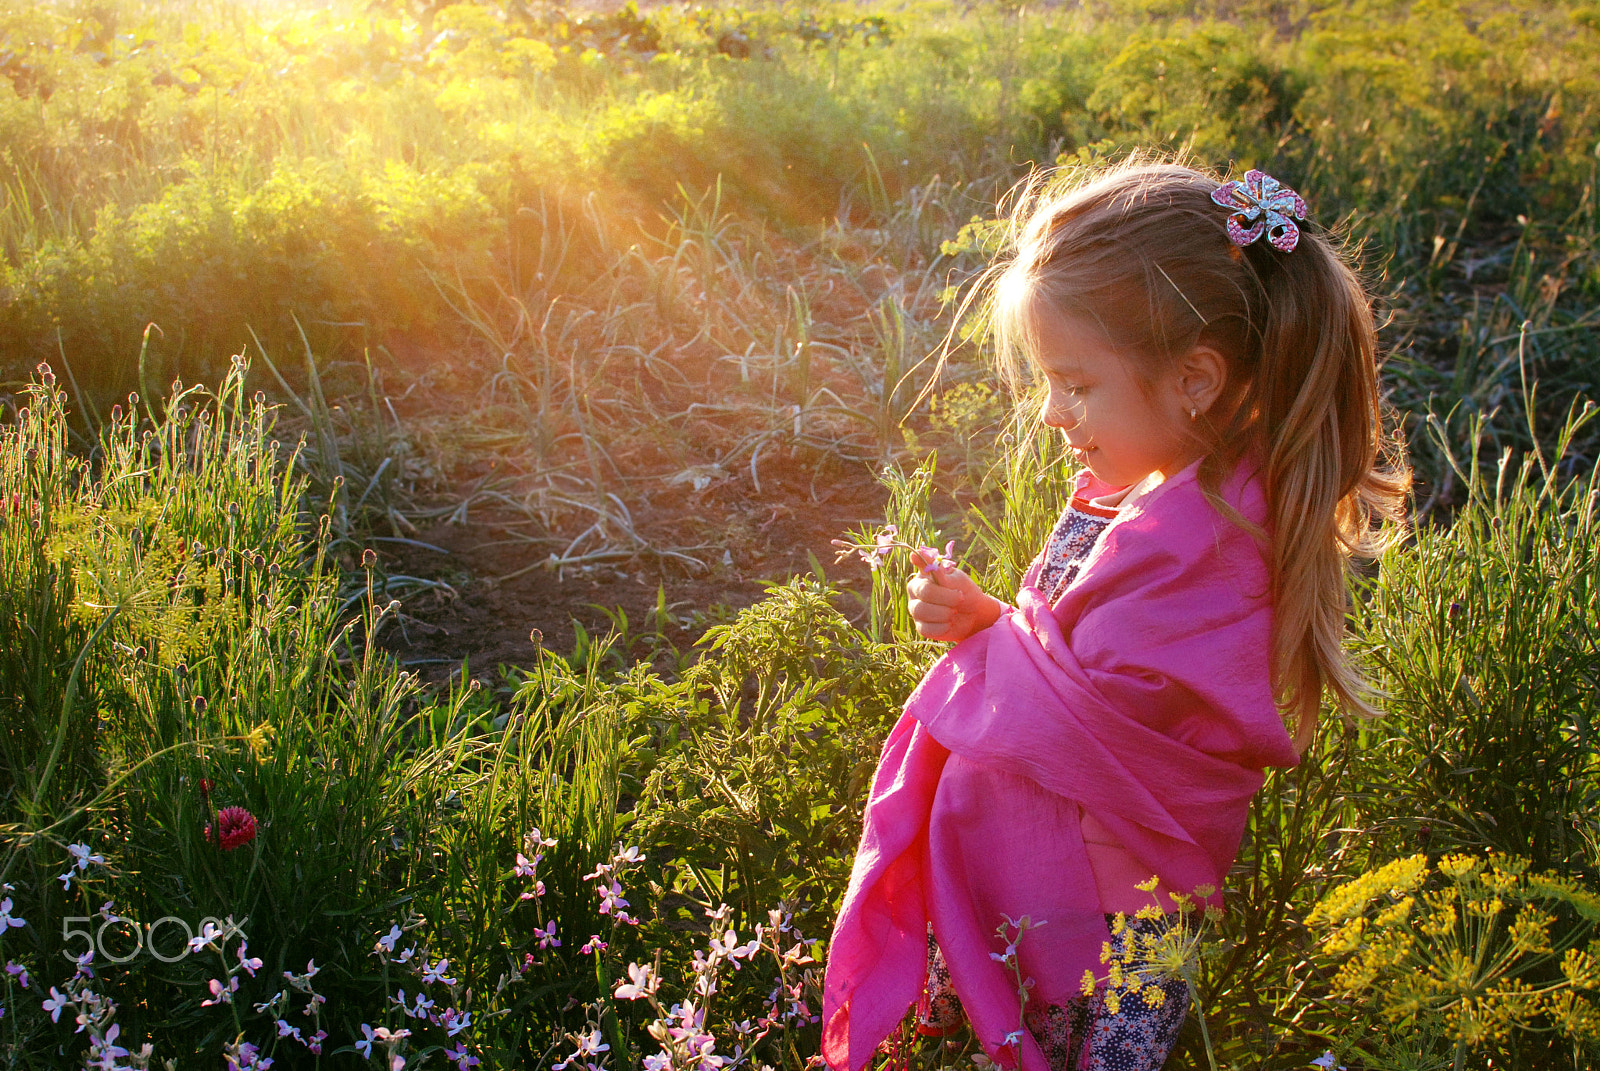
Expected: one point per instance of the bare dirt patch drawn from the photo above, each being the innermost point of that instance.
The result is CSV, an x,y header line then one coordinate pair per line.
x,y
501,588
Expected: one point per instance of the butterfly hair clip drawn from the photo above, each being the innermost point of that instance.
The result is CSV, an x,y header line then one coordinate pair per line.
x,y
1260,205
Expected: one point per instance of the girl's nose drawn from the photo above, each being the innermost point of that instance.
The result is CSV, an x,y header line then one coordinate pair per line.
x,y
1059,413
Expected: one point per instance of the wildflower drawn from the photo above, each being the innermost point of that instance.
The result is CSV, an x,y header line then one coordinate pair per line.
x,y
245,1056
936,560
85,961
208,933
19,972
874,553
594,944
547,936
90,1010
81,856
6,921
456,1021
315,1043
221,994
251,964
106,912
642,982
525,866
1327,1062
55,1003
103,1053
626,855
302,982
590,1044
419,1009
65,880
535,840
235,827
286,1031
729,946
436,973
383,1036
461,1057
610,897
387,943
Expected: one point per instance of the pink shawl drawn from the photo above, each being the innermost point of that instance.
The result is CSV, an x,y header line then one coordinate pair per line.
x,y
1143,697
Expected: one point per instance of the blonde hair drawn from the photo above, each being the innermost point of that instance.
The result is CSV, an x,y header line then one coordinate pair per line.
x,y
1141,249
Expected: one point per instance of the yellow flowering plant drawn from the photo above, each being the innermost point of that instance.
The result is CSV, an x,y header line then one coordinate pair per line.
x,y
1471,948
1138,961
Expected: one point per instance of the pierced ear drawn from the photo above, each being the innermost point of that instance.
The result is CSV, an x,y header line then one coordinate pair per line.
x,y
1202,375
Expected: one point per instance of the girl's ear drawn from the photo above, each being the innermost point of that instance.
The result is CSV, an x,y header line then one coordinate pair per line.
x,y
1202,375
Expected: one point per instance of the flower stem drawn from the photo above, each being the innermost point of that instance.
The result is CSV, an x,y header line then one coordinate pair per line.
x,y
1205,1035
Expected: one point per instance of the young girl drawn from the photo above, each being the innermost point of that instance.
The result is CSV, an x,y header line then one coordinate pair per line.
x,y
1212,367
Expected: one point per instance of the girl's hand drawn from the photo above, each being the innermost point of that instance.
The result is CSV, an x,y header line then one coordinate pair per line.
x,y
947,604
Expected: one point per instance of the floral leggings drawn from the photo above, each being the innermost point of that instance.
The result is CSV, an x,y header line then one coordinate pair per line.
x,y
1084,1034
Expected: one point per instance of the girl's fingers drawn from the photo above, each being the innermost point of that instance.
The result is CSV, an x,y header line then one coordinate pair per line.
x,y
928,589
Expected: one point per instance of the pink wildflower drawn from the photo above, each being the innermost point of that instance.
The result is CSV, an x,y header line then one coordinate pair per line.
x,y
235,827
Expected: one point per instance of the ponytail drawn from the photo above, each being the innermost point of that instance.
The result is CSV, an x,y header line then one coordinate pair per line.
x,y
1321,419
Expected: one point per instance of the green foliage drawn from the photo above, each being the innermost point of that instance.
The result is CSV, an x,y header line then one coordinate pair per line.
x,y
1483,636
766,755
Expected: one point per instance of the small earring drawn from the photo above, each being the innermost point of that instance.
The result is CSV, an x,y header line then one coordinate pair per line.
x,y
1193,412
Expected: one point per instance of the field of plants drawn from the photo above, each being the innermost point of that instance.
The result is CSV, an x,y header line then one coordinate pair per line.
x,y
348,352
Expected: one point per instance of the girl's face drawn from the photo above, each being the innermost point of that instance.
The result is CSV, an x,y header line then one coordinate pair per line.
x,y
1122,430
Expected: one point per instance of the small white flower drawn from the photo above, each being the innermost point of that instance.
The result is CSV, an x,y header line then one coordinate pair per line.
x,y
590,1044
436,973
55,1003
208,933
82,857
250,964
642,982
221,994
